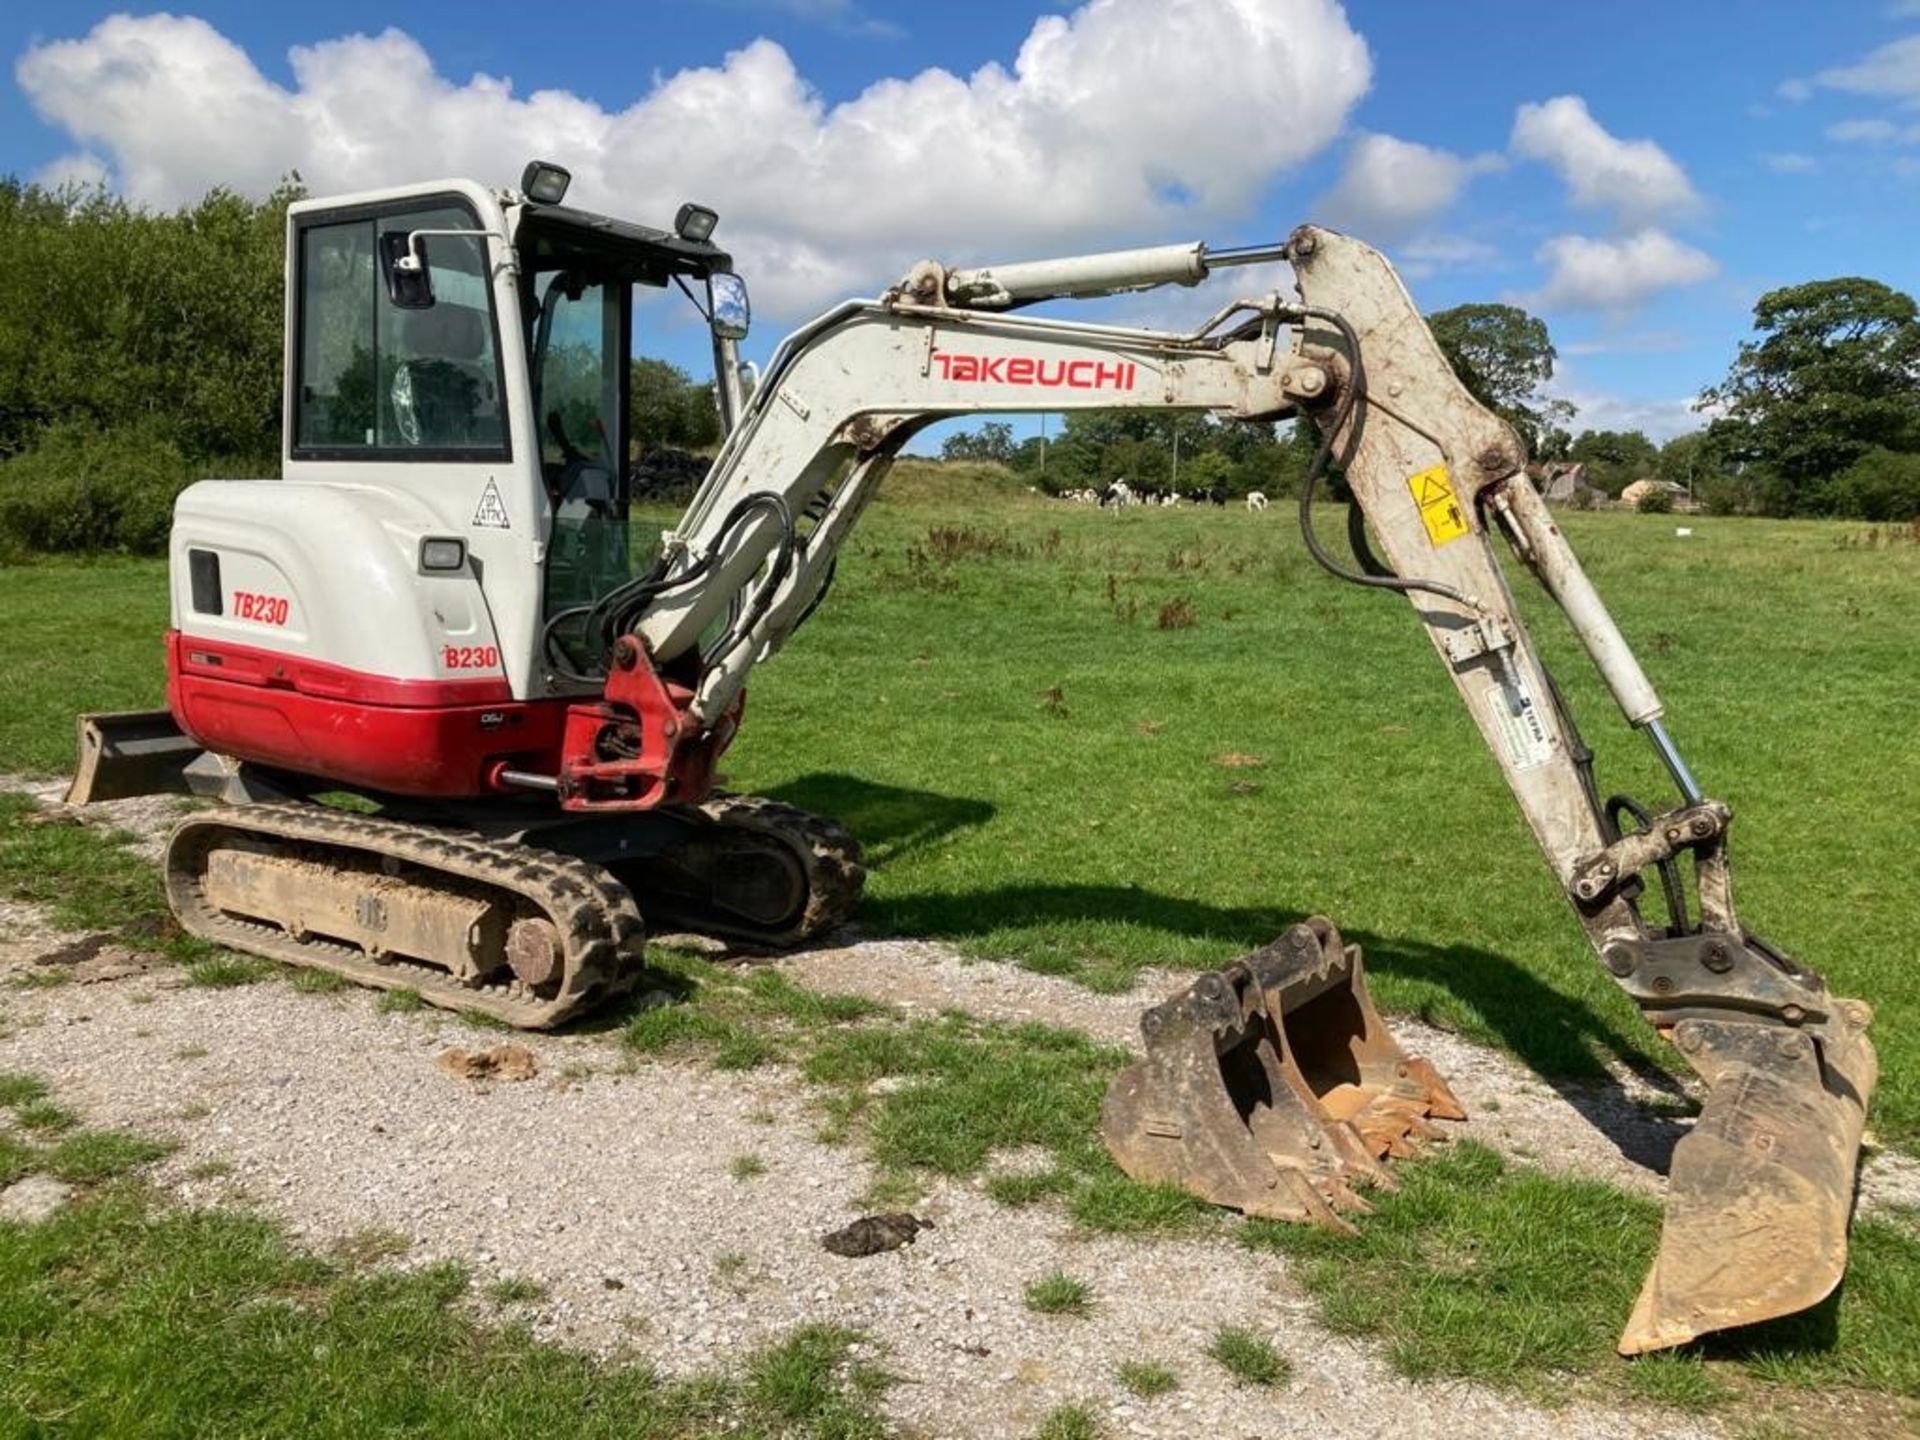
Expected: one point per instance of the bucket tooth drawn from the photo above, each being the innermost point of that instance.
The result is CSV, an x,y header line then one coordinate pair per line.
x,y
1273,1086
1362,1165
1442,1104
1761,1189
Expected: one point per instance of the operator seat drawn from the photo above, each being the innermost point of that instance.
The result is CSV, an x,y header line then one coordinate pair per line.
x,y
442,392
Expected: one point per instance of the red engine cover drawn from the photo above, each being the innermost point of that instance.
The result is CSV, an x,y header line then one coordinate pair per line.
x,y
406,737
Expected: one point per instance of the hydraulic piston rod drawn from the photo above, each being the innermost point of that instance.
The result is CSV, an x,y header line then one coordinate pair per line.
x,y
1112,272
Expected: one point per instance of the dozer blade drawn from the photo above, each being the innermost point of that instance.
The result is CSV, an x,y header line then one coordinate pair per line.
x,y
1273,1086
134,752
1761,1190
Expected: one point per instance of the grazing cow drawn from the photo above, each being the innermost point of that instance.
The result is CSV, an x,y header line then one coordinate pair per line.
x,y
1214,495
1255,501
1117,496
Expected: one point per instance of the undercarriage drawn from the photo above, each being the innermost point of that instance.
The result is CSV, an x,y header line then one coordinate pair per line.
x,y
533,924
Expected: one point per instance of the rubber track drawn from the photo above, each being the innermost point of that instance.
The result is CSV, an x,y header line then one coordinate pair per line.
x,y
829,856
603,935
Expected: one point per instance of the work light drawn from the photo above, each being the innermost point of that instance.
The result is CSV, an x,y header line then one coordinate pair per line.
x,y
695,222
545,182
441,553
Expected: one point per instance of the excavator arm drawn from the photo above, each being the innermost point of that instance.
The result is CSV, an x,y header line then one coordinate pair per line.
x,y
1761,1187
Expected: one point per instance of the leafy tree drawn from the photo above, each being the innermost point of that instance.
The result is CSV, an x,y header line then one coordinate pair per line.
x,y
1206,470
666,408
111,315
1504,357
1615,458
1834,374
1138,462
993,441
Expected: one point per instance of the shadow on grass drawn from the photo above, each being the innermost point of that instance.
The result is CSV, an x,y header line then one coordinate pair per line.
x,y
890,820
1559,1037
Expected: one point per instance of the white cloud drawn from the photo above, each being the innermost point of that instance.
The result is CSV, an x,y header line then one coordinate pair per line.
x,y
1795,90
1637,342
1873,132
89,172
1635,179
1891,70
1659,418
1122,119
1616,275
843,17
1789,162
1427,255
1391,187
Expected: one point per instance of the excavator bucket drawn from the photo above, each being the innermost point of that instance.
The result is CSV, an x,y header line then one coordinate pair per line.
x,y
1274,1087
1761,1189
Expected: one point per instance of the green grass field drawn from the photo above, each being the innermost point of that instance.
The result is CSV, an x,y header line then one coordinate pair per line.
x,y
1044,769
1036,767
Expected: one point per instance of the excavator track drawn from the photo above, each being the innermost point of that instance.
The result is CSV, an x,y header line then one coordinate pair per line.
x,y
521,934
752,870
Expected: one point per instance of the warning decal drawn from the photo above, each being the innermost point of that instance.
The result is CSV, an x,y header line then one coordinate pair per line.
x,y
493,510
1522,732
1440,508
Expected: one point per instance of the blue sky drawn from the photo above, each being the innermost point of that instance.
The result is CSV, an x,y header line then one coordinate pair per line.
x,y
1637,173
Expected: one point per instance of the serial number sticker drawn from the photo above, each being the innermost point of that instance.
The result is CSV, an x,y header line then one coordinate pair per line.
x,y
1440,508
1522,732
470,657
266,609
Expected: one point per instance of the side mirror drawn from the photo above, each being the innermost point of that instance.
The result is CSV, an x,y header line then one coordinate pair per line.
x,y
727,304
409,282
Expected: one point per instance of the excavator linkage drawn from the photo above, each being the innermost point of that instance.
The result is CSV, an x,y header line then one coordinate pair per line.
x,y
1274,1087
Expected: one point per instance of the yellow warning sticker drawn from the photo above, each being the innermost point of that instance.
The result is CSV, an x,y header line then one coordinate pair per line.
x,y
1439,507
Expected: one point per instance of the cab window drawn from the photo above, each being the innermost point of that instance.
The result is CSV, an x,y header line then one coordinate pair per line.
x,y
376,379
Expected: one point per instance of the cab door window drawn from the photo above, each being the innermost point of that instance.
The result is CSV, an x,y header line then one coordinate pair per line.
x,y
375,379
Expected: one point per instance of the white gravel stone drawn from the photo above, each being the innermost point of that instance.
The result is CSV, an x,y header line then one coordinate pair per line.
x,y
36,1198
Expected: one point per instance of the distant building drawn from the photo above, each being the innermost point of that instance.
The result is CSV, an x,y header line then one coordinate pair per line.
x,y
1632,495
1564,482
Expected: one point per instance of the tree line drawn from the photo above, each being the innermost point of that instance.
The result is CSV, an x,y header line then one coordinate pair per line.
x,y
1819,414
141,349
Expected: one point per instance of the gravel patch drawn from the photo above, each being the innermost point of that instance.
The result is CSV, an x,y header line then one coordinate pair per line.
x,y
611,1184
36,1198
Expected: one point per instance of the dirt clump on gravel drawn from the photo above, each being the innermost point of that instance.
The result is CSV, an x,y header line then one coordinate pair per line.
x,y
502,1062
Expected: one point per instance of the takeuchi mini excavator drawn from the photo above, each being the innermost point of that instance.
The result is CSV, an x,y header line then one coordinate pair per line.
x,y
441,610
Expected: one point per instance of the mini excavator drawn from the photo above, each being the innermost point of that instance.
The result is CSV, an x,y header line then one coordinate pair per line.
x,y
439,610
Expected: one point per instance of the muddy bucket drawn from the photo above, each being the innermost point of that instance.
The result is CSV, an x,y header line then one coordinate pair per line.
x,y
1273,1086
1761,1189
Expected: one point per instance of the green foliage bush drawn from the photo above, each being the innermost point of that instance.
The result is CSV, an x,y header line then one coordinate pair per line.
x,y
1655,502
111,315
1880,485
82,489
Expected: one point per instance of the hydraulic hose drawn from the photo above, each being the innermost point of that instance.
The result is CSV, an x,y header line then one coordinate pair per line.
x,y
1351,408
